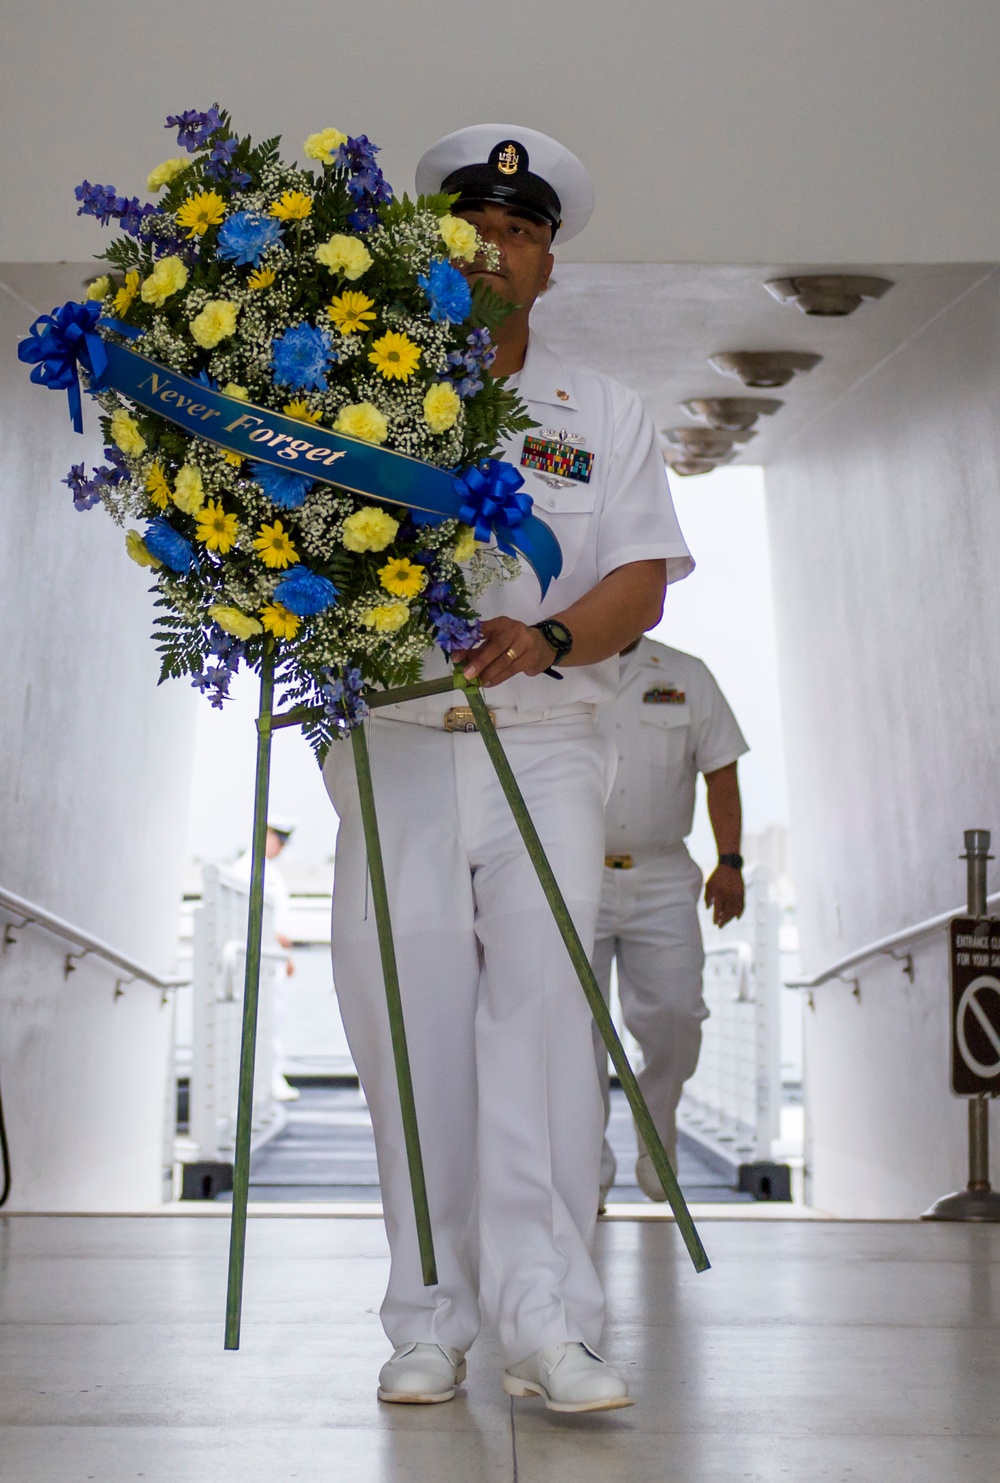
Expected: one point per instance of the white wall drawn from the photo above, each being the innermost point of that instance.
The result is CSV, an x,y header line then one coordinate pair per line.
x,y
93,790
758,131
885,534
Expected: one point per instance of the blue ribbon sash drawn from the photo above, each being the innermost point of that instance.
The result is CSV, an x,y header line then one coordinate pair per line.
x,y
328,457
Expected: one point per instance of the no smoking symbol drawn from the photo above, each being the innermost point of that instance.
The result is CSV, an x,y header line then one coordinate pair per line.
x,y
980,1005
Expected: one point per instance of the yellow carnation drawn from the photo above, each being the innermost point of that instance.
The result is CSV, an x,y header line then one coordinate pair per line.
x,y
189,492
369,529
157,487
386,617
362,420
136,548
460,237
165,173
233,621
279,621
216,322
125,432
239,392
441,407
168,276
324,145
465,544
100,288
123,298
344,255
403,577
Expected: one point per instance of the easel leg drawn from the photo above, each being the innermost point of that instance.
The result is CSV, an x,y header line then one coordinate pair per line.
x,y
397,1029
585,973
251,987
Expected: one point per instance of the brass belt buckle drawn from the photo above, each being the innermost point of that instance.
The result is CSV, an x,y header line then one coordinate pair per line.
x,y
462,718
618,862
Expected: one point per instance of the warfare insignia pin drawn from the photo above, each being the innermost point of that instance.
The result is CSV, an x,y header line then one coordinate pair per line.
x,y
664,695
559,460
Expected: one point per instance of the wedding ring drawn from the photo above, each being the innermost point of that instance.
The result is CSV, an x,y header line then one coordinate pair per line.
x,y
511,655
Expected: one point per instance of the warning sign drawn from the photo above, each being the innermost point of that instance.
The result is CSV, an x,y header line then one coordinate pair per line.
x,y
975,1006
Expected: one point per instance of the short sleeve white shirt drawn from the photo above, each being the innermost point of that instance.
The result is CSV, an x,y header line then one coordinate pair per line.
x,y
669,722
623,514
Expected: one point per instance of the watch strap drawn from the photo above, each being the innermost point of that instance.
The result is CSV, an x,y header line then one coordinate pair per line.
x,y
736,861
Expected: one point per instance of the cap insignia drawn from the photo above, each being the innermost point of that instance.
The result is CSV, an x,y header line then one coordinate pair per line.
x,y
508,160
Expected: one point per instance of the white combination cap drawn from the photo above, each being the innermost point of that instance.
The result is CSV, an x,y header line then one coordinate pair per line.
x,y
512,166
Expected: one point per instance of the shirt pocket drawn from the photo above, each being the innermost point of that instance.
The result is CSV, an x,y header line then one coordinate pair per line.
x,y
568,512
665,731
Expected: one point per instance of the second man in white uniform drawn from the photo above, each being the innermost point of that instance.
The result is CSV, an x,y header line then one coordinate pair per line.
x,y
669,722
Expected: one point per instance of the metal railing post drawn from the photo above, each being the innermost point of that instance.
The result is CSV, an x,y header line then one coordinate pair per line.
x,y
977,1201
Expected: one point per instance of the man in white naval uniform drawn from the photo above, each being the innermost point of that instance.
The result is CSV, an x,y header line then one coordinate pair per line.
x,y
669,722
507,1095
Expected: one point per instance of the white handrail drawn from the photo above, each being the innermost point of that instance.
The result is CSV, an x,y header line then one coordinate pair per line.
x,y
884,946
34,915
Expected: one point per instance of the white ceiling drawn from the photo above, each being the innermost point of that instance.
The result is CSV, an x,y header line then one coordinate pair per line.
x,y
653,327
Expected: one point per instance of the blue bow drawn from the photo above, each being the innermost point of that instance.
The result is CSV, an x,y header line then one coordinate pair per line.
x,y
58,344
490,502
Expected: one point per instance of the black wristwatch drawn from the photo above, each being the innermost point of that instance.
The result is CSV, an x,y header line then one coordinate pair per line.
x,y
736,861
557,636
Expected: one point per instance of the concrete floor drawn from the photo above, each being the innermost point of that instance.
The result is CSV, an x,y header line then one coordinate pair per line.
x,y
853,1353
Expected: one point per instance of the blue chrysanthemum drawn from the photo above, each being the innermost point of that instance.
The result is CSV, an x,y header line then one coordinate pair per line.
x,y
169,546
304,592
301,356
245,237
448,293
281,486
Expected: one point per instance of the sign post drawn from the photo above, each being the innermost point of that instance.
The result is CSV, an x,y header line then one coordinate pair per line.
x,y
975,1034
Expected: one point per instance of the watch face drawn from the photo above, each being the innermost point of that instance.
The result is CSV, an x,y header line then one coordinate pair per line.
x,y
560,632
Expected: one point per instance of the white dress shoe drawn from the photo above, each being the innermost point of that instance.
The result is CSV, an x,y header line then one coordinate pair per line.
x,y
647,1178
568,1377
421,1375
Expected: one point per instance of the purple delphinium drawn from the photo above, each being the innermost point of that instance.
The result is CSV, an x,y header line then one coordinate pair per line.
x,y
227,651
343,699
220,164
366,183
194,129
102,202
467,366
87,492
453,633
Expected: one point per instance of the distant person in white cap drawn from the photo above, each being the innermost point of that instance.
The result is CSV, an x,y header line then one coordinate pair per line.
x,y
507,1093
669,723
279,832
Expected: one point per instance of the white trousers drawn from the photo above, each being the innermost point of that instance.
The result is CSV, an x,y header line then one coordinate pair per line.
x,y
507,1096
648,924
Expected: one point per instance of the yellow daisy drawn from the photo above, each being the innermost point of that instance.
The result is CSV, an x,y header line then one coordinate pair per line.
x,y
352,313
157,487
127,292
234,458
261,278
274,547
403,577
394,356
300,410
279,621
215,528
200,212
292,206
